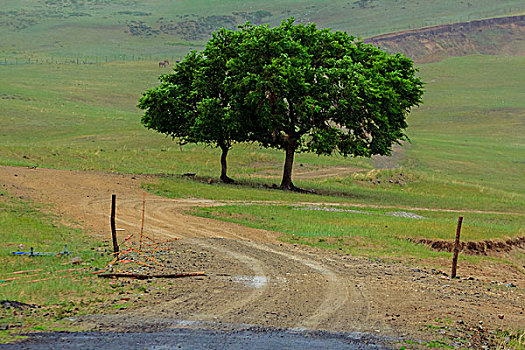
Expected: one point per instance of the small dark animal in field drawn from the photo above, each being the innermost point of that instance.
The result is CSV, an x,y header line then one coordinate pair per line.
x,y
164,64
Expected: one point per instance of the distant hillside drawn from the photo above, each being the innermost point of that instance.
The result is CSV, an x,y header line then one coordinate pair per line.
x,y
502,35
98,30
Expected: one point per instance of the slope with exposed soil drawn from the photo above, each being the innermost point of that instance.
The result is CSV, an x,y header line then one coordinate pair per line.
x,y
501,35
253,279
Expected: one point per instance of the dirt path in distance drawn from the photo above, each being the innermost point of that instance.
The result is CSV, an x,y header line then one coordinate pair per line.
x,y
253,279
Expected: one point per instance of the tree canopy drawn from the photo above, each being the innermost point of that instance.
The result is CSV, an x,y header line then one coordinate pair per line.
x,y
190,103
294,87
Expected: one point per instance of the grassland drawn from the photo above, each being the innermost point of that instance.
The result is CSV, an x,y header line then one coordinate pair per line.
x,y
466,153
367,231
120,30
471,124
84,117
45,280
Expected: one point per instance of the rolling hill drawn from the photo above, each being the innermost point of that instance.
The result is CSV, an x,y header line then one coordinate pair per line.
x,y
104,30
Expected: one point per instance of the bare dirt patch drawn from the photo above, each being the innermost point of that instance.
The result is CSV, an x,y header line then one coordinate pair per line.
x,y
486,247
253,279
501,35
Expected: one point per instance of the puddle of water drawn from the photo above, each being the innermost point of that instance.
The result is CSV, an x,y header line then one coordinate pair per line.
x,y
252,281
335,210
187,323
404,214
400,214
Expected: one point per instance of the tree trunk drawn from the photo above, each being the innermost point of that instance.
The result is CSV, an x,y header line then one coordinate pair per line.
x,y
224,165
286,183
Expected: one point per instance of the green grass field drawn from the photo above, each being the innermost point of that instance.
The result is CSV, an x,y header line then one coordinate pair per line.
x,y
45,280
368,231
466,152
471,126
120,30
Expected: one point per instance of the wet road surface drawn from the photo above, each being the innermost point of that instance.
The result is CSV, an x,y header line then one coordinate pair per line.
x,y
185,338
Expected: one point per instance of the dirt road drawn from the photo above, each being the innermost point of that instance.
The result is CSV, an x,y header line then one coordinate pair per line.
x,y
252,279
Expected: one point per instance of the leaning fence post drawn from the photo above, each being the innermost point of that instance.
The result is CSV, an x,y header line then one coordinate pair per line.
x,y
113,228
456,249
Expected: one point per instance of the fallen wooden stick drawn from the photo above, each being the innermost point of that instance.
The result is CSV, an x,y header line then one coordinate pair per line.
x,y
26,271
144,277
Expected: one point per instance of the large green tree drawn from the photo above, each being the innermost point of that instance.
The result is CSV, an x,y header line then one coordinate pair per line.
x,y
310,89
294,87
190,104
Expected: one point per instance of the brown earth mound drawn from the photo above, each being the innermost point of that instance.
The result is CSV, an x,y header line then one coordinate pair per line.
x,y
501,35
487,247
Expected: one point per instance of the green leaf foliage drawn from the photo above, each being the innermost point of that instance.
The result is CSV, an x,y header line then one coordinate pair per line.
x,y
293,87
326,90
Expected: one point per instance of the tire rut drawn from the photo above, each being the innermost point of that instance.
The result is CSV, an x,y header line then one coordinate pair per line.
x,y
298,288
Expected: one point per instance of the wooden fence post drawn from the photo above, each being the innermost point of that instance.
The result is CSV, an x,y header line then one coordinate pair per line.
x,y
456,249
142,222
113,228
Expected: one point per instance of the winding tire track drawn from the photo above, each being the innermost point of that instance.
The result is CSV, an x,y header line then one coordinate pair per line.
x,y
324,290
